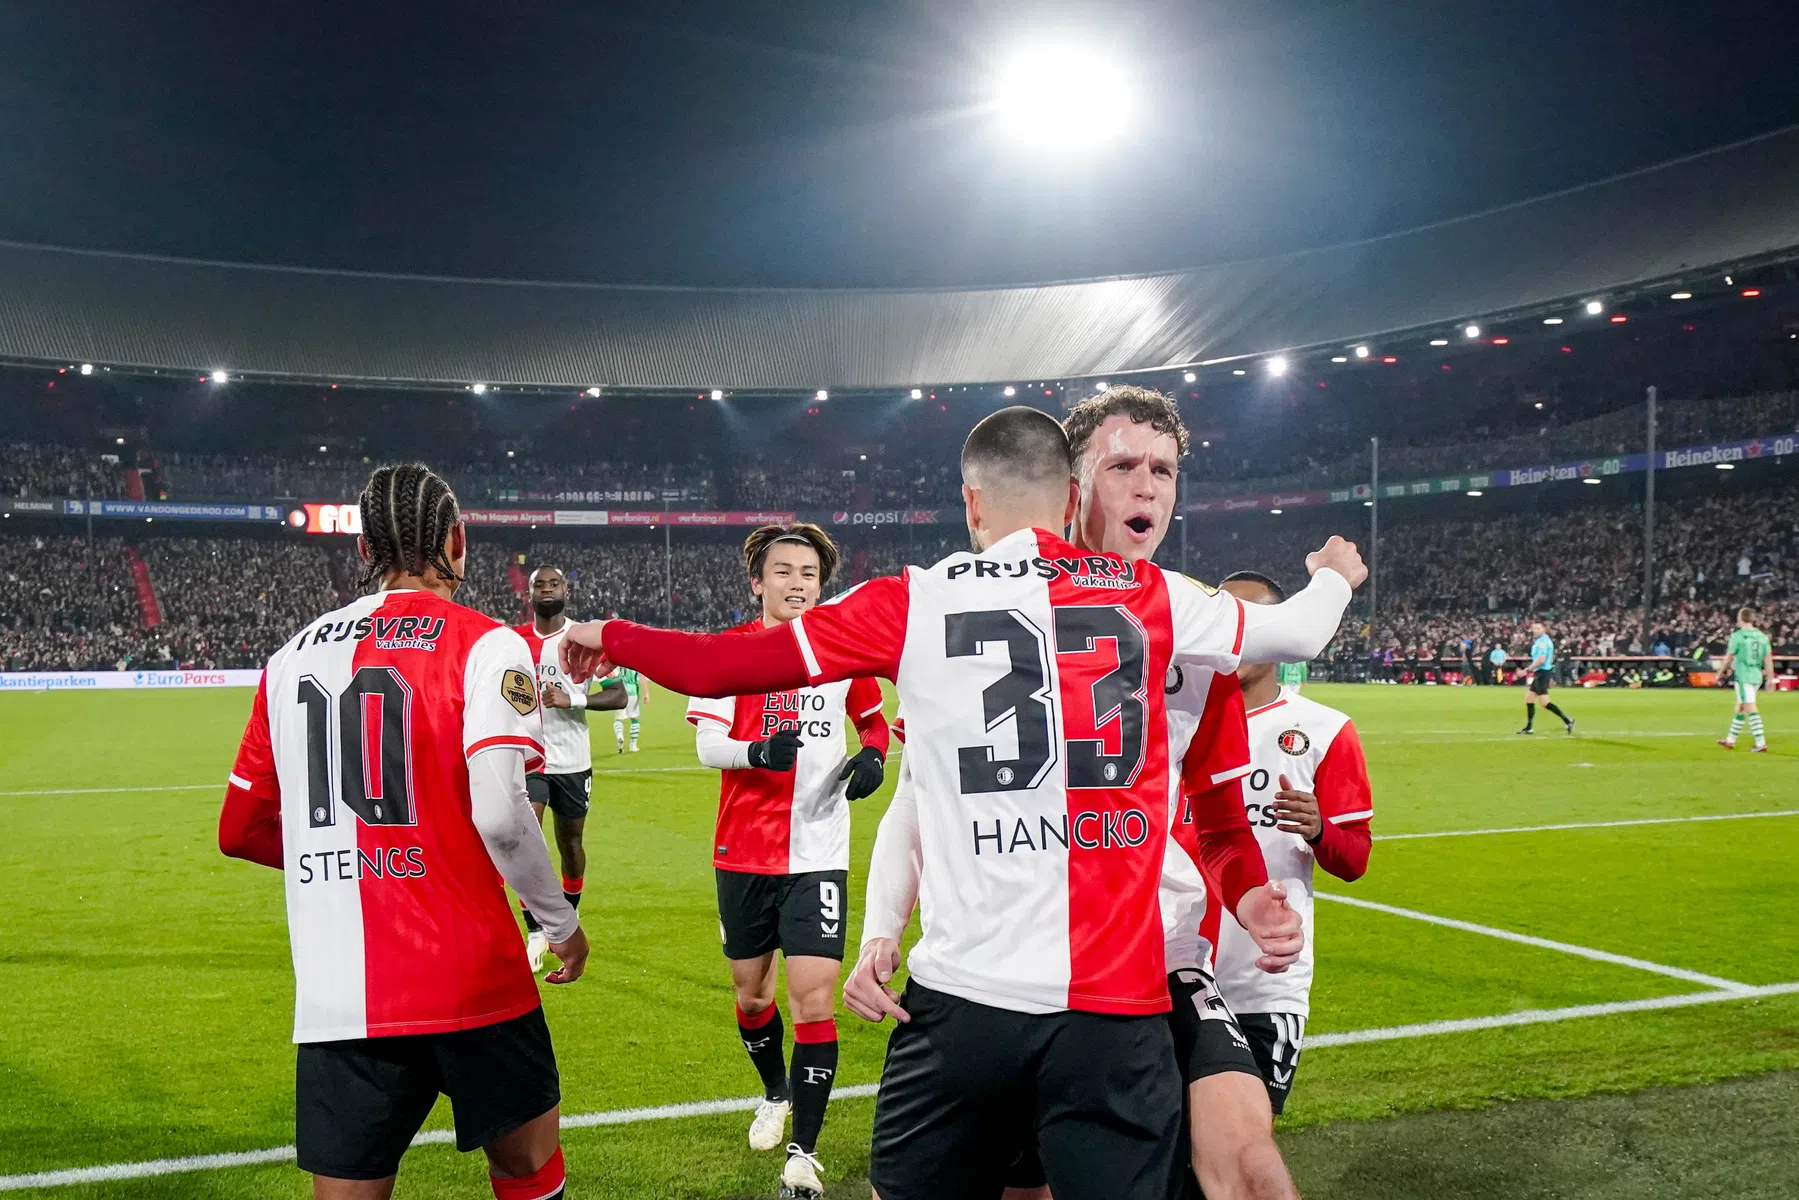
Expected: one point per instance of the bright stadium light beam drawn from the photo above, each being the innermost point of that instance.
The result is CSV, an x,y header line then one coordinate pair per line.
x,y
1277,366
1062,96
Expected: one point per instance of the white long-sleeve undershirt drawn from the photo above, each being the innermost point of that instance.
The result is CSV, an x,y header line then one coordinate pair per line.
x,y
501,809
895,866
718,749
1301,626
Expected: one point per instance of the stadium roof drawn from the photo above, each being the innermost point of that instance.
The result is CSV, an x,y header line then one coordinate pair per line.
x,y
1726,208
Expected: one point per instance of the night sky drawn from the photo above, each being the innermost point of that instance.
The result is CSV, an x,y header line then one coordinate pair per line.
x,y
842,143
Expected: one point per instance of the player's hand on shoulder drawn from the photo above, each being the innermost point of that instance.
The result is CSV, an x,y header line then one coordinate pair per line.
x,y
554,696
864,770
581,653
573,956
1277,929
1297,812
1340,556
865,991
777,753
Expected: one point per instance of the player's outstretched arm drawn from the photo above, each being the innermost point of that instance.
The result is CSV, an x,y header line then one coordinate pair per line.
x,y
501,809
694,664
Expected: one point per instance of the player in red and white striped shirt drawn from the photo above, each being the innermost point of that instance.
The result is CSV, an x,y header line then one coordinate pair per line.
x,y
383,770
781,851
1038,742
1310,805
1128,443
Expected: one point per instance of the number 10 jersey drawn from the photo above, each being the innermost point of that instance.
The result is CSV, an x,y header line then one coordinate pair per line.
x,y
1032,676
361,732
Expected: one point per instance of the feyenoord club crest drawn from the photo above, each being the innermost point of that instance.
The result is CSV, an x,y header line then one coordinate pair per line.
x,y
1294,742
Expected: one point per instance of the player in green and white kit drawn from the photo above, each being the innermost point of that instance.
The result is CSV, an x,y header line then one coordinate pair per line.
x,y
634,698
1292,675
1747,656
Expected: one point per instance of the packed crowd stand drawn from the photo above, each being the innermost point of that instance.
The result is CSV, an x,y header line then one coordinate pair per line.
x,y
864,482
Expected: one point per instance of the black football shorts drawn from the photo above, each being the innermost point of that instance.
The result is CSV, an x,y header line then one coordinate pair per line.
x,y
1539,682
566,795
801,914
1276,1039
357,1104
969,1091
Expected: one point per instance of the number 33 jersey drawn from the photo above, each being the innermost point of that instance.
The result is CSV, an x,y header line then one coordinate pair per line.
x,y
362,730
1031,676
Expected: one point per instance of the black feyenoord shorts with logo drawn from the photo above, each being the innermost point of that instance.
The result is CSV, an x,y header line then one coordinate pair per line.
x,y
1207,1041
567,795
1539,681
1276,1039
795,914
357,1104
969,1090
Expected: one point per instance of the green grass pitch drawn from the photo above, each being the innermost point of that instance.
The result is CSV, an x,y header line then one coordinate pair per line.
x,y
145,987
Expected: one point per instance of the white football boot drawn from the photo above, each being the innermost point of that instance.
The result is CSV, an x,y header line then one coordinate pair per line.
x,y
769,1128
799,1178
536,946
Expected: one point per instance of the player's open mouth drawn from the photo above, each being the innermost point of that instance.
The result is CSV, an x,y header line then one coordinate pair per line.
x,y
1139,525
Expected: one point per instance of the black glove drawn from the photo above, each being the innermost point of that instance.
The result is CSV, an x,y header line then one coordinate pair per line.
x,y
864,771
777,753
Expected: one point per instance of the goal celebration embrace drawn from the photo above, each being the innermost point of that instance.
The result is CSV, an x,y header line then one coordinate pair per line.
x,y
899,602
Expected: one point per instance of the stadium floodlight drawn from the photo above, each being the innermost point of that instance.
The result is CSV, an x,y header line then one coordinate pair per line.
x,y
1471,331
1101,386
717,394
821,394
1063,97
321,450
1439,341
1189,377
512,454
1552,320
1725,466
1339,358
1475,492
1207,445
1367,504
1362,351
1009,391
917,393
1239,371
480,389
1277,366
1274,512
221,375
87,368
1594,308
594,391
1593,481
1680,296
118,441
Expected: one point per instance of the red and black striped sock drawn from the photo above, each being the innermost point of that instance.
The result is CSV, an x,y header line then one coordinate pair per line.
x,y
814,1070
766,1039
548,1182
571,890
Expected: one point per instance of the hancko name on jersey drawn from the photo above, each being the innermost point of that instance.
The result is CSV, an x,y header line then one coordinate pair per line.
x,y
1091,831
391,633
1093,571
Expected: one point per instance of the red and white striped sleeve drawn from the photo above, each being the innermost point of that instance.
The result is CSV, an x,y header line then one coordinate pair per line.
x,y
250,821
499,698
1346,802
860,634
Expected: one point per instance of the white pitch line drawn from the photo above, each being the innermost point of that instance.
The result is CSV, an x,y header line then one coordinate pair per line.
x,y
628,1116
1525,939
1443,833
167,787
1542,1016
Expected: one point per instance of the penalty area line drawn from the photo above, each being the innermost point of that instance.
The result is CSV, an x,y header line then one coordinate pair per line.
x,y
1525,939
1446,833
629,1116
